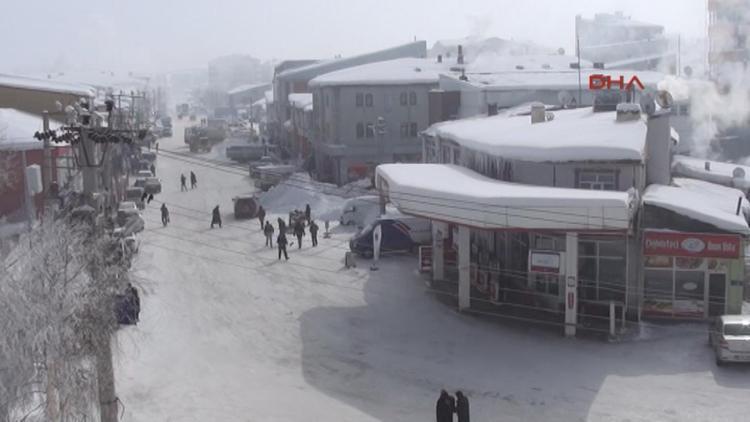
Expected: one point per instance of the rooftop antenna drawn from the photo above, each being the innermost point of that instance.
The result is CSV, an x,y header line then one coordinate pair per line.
x,y
578,55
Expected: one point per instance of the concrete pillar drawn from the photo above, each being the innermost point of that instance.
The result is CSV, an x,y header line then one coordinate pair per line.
x,y
571,284
464,269
438,251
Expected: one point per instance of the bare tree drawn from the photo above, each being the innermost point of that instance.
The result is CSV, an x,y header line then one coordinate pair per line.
x,y
57,289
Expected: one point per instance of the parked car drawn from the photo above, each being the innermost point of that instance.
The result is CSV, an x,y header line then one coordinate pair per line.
x,y
245,207
140,182
245,153
126,210
149,156
729,336
399,233
144,174
152,185
265,160
134,194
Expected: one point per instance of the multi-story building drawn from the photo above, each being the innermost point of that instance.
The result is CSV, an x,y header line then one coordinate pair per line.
x,y
728,37
371,114
295,80
621,42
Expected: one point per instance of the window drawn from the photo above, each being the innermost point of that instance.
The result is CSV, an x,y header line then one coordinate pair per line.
x,y
360,130
413,98
370,130
601,269
413,130
403,98
368,100
596,180
359,99
404,130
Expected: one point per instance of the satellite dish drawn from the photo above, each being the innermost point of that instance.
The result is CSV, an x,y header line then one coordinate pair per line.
x,y
566,99
664,99
647,103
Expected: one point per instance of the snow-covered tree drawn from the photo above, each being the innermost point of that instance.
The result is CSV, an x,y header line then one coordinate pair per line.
x,y
57,289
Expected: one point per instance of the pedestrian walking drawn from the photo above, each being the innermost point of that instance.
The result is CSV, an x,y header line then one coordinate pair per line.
x,y
314,233
216,217
268,231
135,302
281,244
193,180
462,407
261,216
445,407
157,147
282,226
164,214
150,198
153,169
299,231
183,180
308,213
144,197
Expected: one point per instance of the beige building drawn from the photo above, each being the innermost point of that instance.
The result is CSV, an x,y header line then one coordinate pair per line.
x,y
37,95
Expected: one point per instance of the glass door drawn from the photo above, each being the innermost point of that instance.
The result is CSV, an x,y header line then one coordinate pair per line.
x,y
716,292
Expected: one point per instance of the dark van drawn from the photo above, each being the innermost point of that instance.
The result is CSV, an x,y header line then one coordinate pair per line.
x,y
398,234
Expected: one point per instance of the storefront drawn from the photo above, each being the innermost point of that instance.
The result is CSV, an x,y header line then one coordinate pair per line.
x,y
691,275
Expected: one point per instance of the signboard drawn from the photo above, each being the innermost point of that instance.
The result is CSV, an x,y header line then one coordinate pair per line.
x,y
692,244
425,259
544,262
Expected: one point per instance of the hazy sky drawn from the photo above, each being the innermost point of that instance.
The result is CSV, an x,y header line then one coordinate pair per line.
x,y
149,35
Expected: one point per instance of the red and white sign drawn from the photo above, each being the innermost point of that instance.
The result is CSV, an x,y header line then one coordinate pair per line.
x,y
605,82
692,244
544,262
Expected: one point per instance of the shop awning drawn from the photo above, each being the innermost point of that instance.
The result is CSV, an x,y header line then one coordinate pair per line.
x,y
461,196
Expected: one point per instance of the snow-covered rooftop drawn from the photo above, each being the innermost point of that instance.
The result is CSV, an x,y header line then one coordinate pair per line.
x,y
17,129
301,100
246,87
550,79
718,172
459,195
125,81
391,72
573,135
22,82
701,201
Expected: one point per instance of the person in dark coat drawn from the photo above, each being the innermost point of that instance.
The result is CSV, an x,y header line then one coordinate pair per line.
x,y
307,213
164,214
314,233
462,407
445,407
281,244
150,198
282,226
216,217
135,301
153,169
144,197
299,231
268,231
183,180
261,216
193,180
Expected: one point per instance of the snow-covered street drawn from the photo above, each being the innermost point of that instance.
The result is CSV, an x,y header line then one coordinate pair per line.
x,y
228,332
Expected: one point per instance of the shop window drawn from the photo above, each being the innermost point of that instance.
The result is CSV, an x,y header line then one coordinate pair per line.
x,y
596,179
368,100
548,284
601,268
359,99
657,284
689,290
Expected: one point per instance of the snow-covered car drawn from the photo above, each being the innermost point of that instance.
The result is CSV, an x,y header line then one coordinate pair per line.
x,y
729,336
265,160
140,182
144,174
149,156
152,185
125,211
135,194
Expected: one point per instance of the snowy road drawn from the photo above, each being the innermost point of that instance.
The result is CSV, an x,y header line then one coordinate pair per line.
x,y
228,333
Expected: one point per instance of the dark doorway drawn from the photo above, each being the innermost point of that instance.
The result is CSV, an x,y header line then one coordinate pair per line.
x,y
717,284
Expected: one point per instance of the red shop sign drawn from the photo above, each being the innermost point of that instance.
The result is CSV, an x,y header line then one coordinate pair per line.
x,y
691,244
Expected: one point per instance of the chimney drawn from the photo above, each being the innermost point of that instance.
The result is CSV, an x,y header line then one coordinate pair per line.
x,y
492,109
538,113
707,165
628,112
460,54
440,58
658,149
463,76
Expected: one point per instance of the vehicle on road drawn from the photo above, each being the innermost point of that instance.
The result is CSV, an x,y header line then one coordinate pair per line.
x,y
245,153
149,156
270,176
152,185
140,182
266,160
144,174
134,194
729,336
399,233
125,211
204,136
245,207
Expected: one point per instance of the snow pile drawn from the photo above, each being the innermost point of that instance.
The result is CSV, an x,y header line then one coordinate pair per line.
x,y
326,200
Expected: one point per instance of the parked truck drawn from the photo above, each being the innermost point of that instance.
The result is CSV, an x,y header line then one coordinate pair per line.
x,y
204,136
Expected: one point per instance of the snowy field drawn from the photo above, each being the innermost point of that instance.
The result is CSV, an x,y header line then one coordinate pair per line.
x,y
229,333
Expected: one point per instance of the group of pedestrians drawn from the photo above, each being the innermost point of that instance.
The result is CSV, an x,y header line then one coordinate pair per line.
x,y
447,405
297,226
183,182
